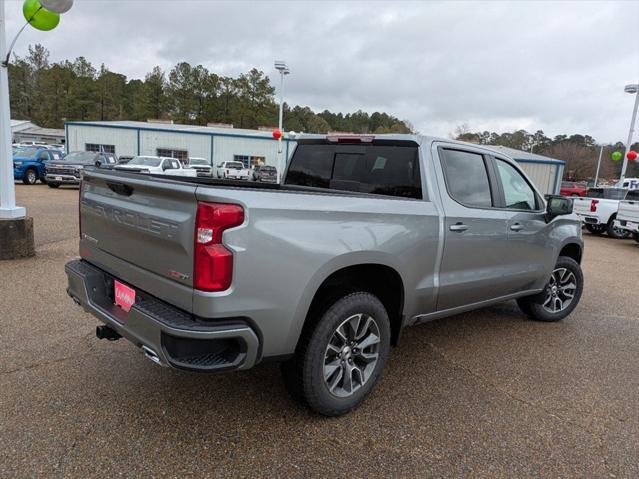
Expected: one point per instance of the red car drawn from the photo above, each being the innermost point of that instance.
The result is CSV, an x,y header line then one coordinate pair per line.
x,y
571,188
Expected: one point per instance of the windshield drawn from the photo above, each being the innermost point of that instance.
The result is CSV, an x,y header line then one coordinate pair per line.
x,y
235,165
198,161
607,193
145,161
80,157
26,152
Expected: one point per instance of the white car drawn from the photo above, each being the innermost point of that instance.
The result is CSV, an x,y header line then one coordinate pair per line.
x,y
598,211
233,170
628,214
157,165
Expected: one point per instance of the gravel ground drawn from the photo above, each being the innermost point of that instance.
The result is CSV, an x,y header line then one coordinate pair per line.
x,y
483,394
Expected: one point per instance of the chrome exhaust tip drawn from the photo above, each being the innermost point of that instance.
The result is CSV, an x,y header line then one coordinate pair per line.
x,y
152,355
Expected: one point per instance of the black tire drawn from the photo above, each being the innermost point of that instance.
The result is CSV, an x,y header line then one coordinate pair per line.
x,y
533,306
635,236
53,185
596,229
304,373
616,233
575,194
30,177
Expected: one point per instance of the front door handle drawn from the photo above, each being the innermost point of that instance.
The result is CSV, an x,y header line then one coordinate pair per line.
x,y
458,227
516,227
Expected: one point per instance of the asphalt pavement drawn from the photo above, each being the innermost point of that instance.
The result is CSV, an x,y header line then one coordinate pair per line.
x,y
482,394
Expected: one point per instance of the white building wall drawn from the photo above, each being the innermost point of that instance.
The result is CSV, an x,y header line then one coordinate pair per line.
x,y
226,147
196,145
125,141
542,175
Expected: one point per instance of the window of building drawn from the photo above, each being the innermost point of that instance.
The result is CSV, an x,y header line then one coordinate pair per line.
x,y
97,148
467,178
181,155
375,169
518,194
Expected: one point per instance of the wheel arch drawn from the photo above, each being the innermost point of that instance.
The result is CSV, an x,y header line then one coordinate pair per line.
x,y
380,278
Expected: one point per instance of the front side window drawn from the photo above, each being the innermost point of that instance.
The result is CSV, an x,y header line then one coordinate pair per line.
x,y
467,178
518,194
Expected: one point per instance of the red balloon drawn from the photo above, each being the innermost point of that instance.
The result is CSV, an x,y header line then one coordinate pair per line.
x,y
277,134
632,155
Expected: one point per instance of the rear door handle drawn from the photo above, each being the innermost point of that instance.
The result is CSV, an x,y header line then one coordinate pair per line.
x,y
516,227
458,227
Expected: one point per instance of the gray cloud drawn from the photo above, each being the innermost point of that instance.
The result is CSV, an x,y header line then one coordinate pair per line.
x,y
556,66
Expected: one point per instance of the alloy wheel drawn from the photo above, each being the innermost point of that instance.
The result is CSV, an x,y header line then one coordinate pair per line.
x,y
351,355
560,290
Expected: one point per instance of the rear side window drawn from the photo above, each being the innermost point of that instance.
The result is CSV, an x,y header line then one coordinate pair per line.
x,y
388,170
467,178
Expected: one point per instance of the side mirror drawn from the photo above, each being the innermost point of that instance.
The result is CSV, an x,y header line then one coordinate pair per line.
x,y
557,206
98,163
165,167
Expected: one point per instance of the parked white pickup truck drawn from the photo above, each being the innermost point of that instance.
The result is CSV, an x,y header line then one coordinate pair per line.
x,y
628,214
157,165
598,210
233,170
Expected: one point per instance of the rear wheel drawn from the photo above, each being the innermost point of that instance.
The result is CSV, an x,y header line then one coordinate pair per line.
x,y
616,232
53,185
596,229
560,296
575,194
340,359
30,177
635,236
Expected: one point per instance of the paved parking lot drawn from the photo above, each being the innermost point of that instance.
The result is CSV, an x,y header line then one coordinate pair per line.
x,y
483,394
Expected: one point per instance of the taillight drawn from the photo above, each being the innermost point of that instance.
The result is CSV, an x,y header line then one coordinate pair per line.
x,y
593,205
213,262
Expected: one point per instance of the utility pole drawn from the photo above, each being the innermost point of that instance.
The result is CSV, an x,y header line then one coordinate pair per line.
x,y
598,165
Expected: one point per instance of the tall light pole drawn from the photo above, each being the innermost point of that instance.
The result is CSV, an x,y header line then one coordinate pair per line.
x,y
634,89
284,70
8,208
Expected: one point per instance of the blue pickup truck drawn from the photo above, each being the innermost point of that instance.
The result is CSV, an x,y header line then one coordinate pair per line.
x,y
29,163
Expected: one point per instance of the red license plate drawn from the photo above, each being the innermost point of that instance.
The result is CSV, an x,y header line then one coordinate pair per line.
x,y
124,296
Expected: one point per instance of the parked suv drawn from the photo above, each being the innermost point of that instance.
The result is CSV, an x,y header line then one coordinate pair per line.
x,y
264,173
364,237
572,188
29,163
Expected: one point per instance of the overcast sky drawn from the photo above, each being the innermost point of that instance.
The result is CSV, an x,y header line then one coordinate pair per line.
x,y
493,65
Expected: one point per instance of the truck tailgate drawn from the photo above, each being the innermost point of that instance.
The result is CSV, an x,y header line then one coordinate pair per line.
x,y
145,224
629,211
581,206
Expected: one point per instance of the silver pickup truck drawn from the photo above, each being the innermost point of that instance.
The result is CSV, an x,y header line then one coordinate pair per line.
x,y
365,236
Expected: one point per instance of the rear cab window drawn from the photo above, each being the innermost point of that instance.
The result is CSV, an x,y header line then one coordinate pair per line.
x,y
383,168
607,193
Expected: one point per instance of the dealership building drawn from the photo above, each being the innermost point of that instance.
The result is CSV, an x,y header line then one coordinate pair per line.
x,y
251,147
216,144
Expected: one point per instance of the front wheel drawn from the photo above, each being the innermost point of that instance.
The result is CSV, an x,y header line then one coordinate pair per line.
x,y
635,236
53,185
560,296
340,359
30,177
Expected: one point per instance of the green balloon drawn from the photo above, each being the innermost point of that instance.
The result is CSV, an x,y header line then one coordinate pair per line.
x,y
616,156
39,17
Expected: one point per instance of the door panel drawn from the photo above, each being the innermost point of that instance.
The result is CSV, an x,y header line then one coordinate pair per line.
x,y
473,268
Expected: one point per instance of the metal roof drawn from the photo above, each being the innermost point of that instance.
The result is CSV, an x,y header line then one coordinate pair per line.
x,y
43,131
523,155
142,125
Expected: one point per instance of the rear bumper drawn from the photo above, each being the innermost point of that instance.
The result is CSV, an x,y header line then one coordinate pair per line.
x,y
590,220
627,225
171,336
